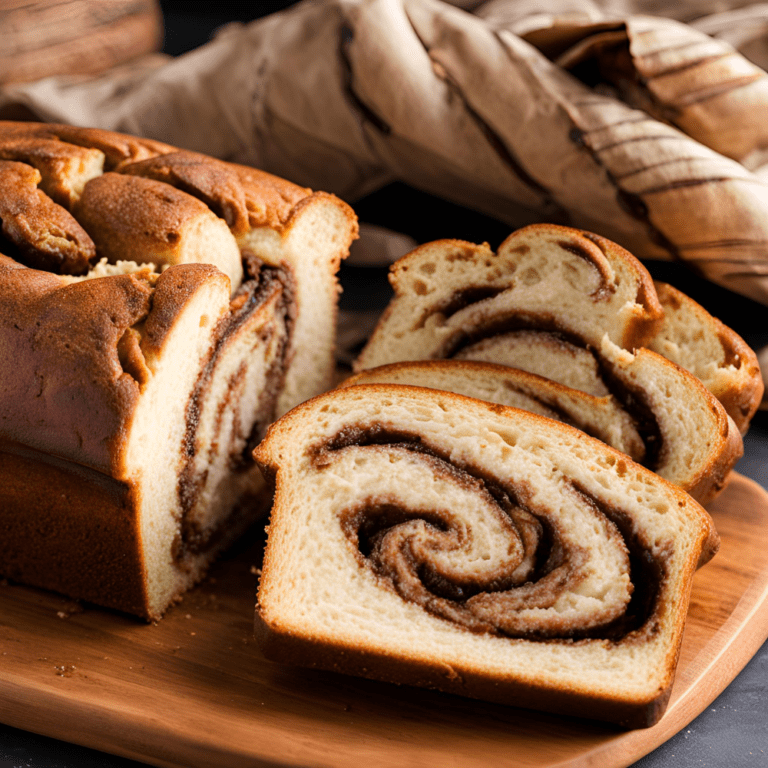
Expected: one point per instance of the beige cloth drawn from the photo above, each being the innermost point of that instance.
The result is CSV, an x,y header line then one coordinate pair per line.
x,y
347,95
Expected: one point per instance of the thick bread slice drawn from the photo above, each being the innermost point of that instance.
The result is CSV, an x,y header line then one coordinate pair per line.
x,y
599,416
711,351
675,427
427,538
450,294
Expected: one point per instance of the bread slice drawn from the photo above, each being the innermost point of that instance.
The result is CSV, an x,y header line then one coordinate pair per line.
x,y
574,285
543,303
427,538
599,416
145,373
668,421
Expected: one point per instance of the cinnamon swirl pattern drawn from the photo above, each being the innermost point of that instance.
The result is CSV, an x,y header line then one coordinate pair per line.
x,y
424,537
577,309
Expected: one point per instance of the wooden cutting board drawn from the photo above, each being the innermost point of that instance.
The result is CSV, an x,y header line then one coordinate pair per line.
x,y
193,690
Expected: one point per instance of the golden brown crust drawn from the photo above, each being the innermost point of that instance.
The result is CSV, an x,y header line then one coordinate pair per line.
x,y
174,288
83,525
66,393
244,197
59,163
270,200
45,234
288,648
209,180
131,218
122,216
118,148
742,390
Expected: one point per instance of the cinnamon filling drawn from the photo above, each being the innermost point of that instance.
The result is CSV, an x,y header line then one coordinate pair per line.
x,y
262,283
402,544
632,399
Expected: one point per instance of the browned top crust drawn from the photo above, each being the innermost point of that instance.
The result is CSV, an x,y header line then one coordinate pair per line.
x,y
118,148
269,199
45,234
68,342
209,180
243,197
136,219
173,289
70,196
66,374
148,192
59,163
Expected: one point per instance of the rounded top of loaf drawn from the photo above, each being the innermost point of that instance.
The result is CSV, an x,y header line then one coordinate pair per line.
x,y
105,239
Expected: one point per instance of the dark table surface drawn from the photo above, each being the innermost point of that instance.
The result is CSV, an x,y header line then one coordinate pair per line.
x,y
733,730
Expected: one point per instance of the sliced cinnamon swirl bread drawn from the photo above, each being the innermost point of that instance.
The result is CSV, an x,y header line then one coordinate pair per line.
x,y
543,302
159,310
577,309
427,538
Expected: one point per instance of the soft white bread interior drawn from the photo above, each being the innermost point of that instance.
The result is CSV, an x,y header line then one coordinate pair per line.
x,y
162,308
450,294
423,537
599,416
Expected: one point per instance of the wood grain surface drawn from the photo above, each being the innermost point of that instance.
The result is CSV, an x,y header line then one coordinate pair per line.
x,y
193,690
74,37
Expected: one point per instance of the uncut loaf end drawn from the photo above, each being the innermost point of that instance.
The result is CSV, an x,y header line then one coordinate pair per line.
x,y
158,309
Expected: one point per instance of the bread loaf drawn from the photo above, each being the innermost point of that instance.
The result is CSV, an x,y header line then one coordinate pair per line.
x,y
427,538
160,309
